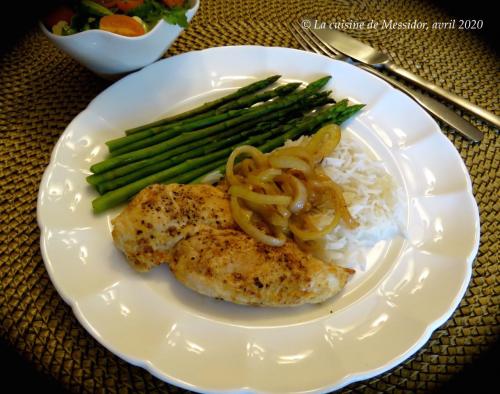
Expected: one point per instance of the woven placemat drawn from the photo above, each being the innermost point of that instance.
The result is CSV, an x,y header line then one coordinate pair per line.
x,y
42,90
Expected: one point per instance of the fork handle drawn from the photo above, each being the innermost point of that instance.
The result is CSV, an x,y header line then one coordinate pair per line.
x,y
462,103
434,107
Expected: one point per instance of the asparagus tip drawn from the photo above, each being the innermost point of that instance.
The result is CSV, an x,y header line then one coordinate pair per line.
x,y
91,180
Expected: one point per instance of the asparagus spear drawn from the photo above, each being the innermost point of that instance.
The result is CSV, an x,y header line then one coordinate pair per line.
x,y
122,194
97,179
171,132
190,175
251,115
119,145
248,101
103,205
159,165
337,114
122,145
349,112
137,140
253,87
123,175
184,138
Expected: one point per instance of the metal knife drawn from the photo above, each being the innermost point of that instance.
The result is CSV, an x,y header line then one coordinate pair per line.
x,y
437,109
363,53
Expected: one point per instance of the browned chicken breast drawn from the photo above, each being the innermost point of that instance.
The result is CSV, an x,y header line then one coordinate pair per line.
x,y
161,215
231,265
190,228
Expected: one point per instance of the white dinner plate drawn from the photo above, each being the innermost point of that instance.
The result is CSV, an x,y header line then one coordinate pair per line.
x,y
387,312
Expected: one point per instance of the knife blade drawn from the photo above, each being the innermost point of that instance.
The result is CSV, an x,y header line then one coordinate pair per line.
x,y
432,106
364,53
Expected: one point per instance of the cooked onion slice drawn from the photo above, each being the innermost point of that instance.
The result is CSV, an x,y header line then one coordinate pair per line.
x,y
251,229
298,151
256,154
260,198
291,184
299,201
268,175
324,141
283,211
306,235
291,162
342,206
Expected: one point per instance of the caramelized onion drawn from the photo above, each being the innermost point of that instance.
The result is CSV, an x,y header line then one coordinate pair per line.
x,y
260,198
306,235
292,162
300,197
274,195
298,151
324,141
283,211
256,154
251,229
268,174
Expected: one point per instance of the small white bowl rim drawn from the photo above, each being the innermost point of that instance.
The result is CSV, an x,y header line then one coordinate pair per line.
x,y
90,32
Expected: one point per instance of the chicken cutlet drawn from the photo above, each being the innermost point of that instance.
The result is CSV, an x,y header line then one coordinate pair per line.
x,y
190,228
161,215
233,266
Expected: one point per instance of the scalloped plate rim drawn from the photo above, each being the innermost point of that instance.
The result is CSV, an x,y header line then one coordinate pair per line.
x,y
150,365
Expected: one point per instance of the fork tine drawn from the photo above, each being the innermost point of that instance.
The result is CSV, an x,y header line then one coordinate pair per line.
x,y
298,35
327,48
312,41
308,41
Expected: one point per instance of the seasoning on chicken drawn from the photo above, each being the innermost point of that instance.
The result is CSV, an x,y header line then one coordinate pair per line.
x,y
161,215
233,266
190,228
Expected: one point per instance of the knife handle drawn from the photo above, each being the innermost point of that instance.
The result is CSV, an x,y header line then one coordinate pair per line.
x,y
437,109
462,103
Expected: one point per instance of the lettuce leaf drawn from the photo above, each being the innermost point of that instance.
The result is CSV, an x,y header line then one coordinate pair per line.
x,y
152,11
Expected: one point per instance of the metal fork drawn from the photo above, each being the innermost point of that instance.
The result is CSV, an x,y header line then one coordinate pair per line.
x,y
311,42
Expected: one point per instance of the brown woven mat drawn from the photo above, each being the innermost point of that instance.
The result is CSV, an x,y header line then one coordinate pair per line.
x,y
41,90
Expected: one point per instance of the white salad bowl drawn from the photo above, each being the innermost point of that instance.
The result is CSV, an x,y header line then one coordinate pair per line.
x,y
111,55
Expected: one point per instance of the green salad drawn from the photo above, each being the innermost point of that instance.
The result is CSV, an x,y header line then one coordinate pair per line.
x,y
125,17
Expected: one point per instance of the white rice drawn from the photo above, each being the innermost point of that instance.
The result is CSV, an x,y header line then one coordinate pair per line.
x,y
372,197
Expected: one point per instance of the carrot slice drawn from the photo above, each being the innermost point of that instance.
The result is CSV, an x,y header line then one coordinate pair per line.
x,y
173,3
127,5
121,24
